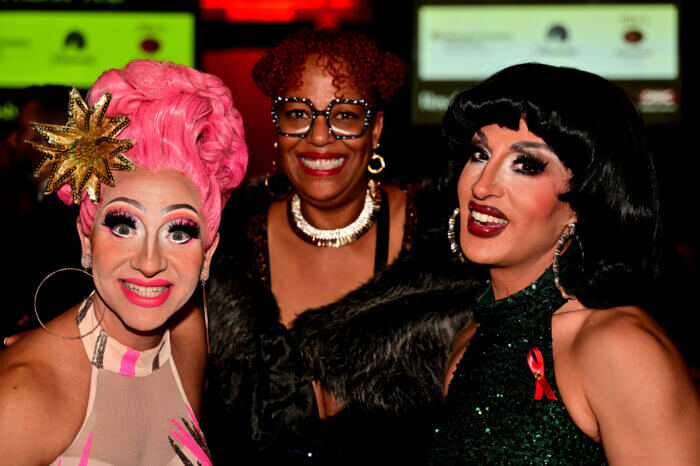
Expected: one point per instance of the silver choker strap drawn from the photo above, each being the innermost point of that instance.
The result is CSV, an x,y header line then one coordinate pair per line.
x,y
337,237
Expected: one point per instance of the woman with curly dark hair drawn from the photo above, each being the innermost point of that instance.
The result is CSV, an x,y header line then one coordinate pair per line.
x,y
558,200
333,312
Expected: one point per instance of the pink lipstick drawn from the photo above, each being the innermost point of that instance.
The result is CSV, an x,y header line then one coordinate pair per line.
x,y
489,221
145,293
321,163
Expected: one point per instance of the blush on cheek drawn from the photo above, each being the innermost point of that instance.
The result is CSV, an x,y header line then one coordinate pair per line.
x,y
539,200
189,265
103,254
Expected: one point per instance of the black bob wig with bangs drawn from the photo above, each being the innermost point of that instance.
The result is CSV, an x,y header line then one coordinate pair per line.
x,y
596,131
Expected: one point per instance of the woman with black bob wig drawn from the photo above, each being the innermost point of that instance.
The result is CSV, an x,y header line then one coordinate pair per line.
x,y
558,200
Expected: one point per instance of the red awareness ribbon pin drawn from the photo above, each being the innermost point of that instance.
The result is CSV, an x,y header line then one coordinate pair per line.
x,y
536,363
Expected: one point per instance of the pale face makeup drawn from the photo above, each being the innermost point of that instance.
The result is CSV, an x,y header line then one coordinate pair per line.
x,y
511,216
148,249
326,171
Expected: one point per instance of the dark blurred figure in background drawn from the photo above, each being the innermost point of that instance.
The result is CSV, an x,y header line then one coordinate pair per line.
x,y
41,219
23,190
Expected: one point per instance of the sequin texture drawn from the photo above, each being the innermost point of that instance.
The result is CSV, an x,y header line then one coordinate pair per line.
x,y
99,351
490,414
84,152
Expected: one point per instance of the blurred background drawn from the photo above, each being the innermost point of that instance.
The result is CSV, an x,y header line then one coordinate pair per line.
x,y
46,46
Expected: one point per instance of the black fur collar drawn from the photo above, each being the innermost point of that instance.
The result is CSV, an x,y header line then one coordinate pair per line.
x,y
382,347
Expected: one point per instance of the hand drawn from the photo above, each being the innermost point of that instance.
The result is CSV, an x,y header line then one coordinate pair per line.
x,y
7,341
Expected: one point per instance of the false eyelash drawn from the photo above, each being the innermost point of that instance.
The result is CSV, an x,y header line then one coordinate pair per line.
x,y
473,149
185,225
119,217
539,163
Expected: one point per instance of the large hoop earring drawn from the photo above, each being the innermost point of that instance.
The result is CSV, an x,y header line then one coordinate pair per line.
x,y
80,311
380,168
203,277
269,183
452,236
563,240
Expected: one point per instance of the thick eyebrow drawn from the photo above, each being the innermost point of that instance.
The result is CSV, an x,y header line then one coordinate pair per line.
x,y
128,201
518,146
170,208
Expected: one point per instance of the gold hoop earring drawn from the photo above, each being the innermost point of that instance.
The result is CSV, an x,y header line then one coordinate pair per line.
x,y
86,302
452,236
269,182
382,164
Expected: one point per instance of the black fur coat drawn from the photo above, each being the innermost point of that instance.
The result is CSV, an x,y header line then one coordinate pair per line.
x,y
382,350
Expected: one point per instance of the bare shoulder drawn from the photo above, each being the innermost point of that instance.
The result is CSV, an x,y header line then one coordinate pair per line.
x,y
632,375
276,214
622,333
624,342
44,387
397,199
26,387
30,397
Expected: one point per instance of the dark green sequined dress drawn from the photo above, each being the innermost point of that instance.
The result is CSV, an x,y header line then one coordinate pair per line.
x,y
491,416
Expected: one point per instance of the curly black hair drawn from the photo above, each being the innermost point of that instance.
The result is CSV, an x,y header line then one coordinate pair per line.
x,y
350,57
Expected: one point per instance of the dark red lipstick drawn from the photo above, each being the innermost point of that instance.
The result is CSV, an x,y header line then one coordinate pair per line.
x,y
321,156
485,229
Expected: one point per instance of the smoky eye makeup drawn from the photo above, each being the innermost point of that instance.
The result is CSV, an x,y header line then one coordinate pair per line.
x,y
120,222
477,152
529,164
183,229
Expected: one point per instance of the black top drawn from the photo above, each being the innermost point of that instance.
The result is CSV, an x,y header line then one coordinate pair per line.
x,y
382,349
491,416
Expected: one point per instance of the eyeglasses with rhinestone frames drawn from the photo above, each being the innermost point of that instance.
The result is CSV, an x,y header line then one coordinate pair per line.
x,y
346,118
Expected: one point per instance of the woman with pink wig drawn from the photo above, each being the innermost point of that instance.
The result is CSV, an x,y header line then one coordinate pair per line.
x,y
151,159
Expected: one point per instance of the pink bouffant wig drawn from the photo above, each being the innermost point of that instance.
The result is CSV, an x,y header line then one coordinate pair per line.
x,y
181,119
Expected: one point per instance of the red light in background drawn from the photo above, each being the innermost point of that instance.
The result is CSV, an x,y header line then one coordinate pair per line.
x,y
234,67
326,13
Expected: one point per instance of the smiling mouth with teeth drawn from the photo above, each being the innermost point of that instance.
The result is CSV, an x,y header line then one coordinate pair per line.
x,y
322,164
145,291
487,220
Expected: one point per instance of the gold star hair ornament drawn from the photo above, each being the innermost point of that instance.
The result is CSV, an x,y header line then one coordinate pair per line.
x,y
84,151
